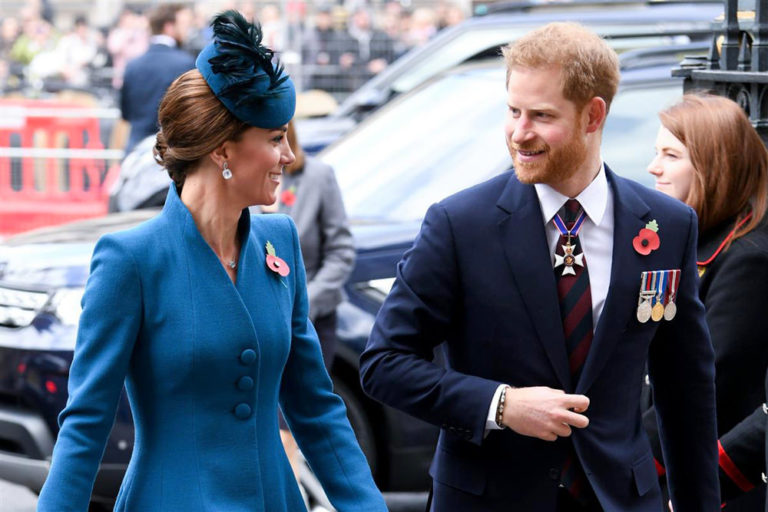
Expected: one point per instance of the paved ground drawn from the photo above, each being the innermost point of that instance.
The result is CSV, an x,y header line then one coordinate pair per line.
x,y
16,499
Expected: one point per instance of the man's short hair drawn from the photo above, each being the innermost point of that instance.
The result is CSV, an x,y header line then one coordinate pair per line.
x,y
162,14
589,66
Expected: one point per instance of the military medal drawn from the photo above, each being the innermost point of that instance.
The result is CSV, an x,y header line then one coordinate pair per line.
x,y
674,281
657,313
569,259
646,294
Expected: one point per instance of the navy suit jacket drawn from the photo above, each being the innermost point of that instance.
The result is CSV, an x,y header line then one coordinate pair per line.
x,y
479,278
146,79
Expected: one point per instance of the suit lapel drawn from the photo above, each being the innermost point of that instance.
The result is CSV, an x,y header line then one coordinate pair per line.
x,y
629,212
523,238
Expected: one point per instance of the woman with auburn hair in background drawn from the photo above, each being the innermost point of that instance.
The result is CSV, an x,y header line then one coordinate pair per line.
x,y
709,156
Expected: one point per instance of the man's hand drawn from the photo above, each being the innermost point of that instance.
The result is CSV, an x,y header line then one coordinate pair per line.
x,y
544,412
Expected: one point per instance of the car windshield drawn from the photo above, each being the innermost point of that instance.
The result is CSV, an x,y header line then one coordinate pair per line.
x,y
423,147
449,135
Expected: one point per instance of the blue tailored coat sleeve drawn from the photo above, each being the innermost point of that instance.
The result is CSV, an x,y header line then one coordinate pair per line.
x,y
206,363
109,326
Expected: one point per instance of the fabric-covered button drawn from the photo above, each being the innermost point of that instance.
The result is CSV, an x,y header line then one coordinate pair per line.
x,y
245,383
248,356
554,474
243,411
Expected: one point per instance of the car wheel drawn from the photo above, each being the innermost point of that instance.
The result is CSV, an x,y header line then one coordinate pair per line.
x,y
359,421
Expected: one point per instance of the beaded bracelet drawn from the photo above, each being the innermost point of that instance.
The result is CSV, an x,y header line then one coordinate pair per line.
x,y
500,408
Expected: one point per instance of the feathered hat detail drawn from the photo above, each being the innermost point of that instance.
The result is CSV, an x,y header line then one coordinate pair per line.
x,y
241,73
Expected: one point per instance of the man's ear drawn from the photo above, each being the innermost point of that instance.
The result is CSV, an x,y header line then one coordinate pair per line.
x,y
596,110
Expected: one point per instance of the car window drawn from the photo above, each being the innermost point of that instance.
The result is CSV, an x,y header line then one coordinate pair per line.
x,y
424,147
441,139
630,130
454,52
468,44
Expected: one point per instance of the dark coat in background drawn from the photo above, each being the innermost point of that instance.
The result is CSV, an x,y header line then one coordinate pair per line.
x,y
745,444
146,79
734,290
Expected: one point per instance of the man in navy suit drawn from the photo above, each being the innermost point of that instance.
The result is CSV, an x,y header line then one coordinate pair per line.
x,y
148,76
549,288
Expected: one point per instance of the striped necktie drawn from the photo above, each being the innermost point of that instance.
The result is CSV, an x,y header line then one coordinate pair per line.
x,y
575,298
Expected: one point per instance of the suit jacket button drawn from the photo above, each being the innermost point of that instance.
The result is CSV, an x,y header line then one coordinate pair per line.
x,y
243,411
248,356
554,473
245,383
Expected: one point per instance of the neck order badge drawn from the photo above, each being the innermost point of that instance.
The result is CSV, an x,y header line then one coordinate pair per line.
x,y
569,259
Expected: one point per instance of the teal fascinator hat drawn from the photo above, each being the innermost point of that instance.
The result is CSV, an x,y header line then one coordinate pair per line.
x,y
240,72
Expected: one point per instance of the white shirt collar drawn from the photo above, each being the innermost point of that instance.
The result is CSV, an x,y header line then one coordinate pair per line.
x,y
163,39
593,198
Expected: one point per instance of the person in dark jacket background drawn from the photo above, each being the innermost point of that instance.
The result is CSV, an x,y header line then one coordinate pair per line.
x,y
148,76
709,156
746,444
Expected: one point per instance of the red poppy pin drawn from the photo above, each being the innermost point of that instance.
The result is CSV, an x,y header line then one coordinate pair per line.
x,y
275,263
288,197
647,239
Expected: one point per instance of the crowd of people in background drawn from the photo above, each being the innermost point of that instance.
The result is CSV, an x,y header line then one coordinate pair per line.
x,y
326,45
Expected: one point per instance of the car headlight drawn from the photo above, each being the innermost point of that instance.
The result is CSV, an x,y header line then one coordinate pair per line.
x,y
65,304
382,285
376,289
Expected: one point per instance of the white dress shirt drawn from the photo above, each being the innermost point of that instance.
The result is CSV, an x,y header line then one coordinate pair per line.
x,y
595,240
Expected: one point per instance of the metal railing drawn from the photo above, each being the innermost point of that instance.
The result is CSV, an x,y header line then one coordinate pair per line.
x,y
737,63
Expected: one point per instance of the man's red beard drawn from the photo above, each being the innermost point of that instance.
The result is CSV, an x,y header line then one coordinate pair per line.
x,y
556,166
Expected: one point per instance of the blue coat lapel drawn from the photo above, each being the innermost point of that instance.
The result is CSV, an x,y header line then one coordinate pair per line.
x,y
525,246
205,268
629,212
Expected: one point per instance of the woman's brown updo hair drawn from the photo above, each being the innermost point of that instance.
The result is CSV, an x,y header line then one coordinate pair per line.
x,y
193,122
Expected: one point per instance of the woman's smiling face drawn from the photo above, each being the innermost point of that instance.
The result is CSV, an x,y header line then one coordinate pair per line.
x,y
672,166
257,159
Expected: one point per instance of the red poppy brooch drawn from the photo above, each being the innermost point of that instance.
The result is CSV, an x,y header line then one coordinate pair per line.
x,y
288,197
647,239
275,263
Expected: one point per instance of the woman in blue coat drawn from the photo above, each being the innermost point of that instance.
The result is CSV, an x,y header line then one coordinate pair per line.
x,y
202,313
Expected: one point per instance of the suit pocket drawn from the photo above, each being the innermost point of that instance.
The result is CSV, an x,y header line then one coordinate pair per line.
x,y
462,473
644,471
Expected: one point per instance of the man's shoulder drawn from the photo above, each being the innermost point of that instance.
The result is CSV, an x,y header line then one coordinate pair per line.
x,y
159,56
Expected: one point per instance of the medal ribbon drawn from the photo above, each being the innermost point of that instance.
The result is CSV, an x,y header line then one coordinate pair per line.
x,y
574,231
651,286
661,289
673,283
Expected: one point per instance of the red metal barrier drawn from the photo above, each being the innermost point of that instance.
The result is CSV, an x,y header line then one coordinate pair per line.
x,y
52,164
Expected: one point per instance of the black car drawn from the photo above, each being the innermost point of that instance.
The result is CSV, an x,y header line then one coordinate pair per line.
x,y
419,148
